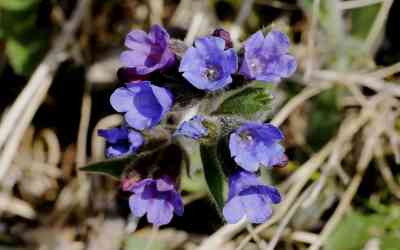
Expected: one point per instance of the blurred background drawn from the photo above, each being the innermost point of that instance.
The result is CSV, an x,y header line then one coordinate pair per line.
x,y
339,112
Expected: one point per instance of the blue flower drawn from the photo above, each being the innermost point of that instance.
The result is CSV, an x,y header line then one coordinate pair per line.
x,y
256,144
143,103
249,198
193,128
156,197
121,141
148,52
208,66
267,59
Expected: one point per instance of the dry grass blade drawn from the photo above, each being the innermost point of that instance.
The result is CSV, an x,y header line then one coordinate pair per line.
x,y
302,176
353,4
386,172
377,27
19,116
374,131
285,220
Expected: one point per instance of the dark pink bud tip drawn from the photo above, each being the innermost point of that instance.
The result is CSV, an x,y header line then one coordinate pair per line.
x,y
126,75
221,33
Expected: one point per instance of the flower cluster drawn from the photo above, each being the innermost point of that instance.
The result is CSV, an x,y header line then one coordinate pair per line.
x,y
209,65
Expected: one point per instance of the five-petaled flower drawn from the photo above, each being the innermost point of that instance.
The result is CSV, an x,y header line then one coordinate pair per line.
x,y
249,198
143,103
255,144
148,52
267,59
208,66
193,128
156,197
121,141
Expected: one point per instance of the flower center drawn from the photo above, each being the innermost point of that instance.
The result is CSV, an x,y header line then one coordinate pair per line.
x,y
246,136
211,74
255,66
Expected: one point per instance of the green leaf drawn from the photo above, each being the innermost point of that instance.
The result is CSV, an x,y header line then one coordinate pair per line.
x,y
356,229
247,102
362,20
213,174
18,24
17,5
139,243
113,168
194,183
325,117
24,56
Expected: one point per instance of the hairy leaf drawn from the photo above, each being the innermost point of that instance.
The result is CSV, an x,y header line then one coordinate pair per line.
x,y
113,167
247,102
213,174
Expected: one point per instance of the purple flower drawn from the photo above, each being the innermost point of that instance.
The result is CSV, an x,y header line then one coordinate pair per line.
x,y
158,198
148,52
267,59
143,103
121,141
256,144
208,66
224,35
249,197
193,128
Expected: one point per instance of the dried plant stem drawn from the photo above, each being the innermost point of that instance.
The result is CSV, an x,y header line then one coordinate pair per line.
x,y
386,71
156,11
194,28
290,235
386,172
224,234
245,11
17,119
348,129
286,219
302,174
261,243
339,212
83,129
345,202
377,27
278,4
53,146
391,88
16,206
296,101
44,71
311,40
353,4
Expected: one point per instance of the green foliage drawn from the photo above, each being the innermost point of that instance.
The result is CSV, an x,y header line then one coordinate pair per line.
x,y
26,43
356,229
247,102
194,183
324,118
16,24
113,167
22,56
213,174
17,5
362,20
139,243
